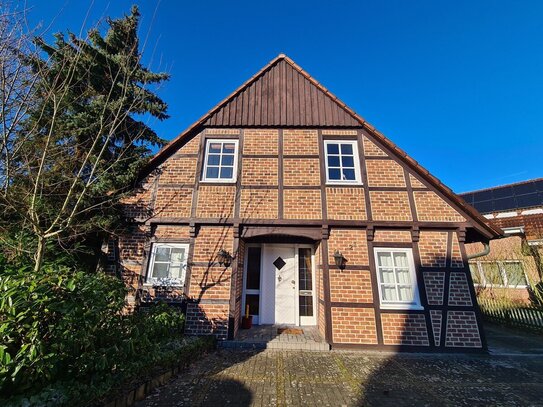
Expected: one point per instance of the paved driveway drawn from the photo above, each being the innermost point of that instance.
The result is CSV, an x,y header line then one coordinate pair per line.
x,y
294,378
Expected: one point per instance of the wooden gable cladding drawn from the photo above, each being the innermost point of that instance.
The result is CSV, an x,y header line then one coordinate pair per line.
x,y
281,95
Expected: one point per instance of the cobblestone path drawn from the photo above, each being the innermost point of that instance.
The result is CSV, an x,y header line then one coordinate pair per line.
x,y
291,378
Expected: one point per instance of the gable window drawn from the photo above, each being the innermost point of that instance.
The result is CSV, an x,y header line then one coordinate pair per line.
x,y
342,163
397,279
220,163
168,264
507,273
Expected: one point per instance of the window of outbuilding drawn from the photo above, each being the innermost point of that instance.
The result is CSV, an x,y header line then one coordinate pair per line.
x,y
220,164
342,163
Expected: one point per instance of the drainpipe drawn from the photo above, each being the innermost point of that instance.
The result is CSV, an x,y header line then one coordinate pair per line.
x,y
485,251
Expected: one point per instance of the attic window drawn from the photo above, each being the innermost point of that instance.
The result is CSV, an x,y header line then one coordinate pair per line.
x,y
220,161
342,163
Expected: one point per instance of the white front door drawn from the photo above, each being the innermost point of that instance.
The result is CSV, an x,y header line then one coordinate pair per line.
x,y
279,284
284,267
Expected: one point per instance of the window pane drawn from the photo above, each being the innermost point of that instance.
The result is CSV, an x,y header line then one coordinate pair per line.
x,y
332,148
228,148
160,270
162,253
213,159
304,265
384,259
400,260
406,293
177,255
492,273
515,274
347,161
215,147
253,268
334,174
387,276
176,271
475,274
306,306
347,149
251,300
333,161
403,276
226,172
228,159
389,293
348,175
212,172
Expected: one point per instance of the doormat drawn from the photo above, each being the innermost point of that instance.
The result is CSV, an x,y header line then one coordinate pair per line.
x,y
291,331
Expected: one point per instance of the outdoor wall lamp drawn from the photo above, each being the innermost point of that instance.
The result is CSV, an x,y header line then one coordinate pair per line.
x,y
340,260
224,258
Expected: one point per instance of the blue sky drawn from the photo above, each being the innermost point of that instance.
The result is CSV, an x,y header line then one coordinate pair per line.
x,y
458,85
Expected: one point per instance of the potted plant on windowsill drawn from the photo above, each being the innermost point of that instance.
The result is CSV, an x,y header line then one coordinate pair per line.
x,y
247,320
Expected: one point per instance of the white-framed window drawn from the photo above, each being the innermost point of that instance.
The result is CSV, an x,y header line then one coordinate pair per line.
x,y
397,278
221,160
168,264
342,162
505,273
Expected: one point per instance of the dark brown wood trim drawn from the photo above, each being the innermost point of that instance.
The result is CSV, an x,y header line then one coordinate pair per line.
x,y
175,185
300,156
280,180
216,184
339,304
393,244
350,267
315,187
259,186
237,202
322,166
224,301
326,288
332,185
402,311
233,286
473,294
314,233
377,157
410,196
171,240
364,175
221,136
375,292
444,314
396,189
259,156
184,155
198,175
423,294
188,274
339,137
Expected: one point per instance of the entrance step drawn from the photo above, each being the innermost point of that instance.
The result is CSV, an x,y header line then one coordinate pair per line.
x,y
278,337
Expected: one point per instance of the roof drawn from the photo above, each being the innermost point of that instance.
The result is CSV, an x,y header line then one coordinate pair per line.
x,y
519,195
314,97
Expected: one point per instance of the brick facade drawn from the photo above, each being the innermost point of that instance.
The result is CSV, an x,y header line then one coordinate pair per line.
x,y
278,195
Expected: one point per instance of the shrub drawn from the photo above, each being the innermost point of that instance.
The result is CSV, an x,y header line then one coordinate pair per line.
x,y
63,331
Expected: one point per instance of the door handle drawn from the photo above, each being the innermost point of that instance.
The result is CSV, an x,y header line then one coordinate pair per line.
x,y
279,278
293,282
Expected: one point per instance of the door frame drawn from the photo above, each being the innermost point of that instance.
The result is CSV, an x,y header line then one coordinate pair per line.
x,y
308,321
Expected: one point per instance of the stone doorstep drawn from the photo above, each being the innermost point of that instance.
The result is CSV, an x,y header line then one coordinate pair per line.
x,y
245,345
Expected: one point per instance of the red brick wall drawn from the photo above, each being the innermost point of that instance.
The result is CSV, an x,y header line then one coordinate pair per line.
x,y
384,173
390,205
353,325
346,203
301,171
404,329
302,204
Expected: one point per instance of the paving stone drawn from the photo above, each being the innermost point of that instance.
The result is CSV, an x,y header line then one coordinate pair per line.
x,y
299,378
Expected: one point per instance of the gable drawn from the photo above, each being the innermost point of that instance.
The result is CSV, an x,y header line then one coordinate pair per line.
x,y
282,95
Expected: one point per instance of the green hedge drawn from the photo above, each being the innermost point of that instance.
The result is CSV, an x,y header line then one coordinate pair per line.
x,y
64,336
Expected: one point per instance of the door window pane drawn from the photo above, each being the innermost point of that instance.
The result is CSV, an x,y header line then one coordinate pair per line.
x,y
306,305
305,283
253,268
252,300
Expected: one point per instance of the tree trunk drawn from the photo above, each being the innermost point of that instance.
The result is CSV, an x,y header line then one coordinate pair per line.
x,y
40,251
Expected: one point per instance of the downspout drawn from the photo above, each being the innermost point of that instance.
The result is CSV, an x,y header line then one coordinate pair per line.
x,y
485,251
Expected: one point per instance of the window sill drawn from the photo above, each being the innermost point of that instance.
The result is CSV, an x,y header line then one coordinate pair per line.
x,y
151,285
413,307
343,184
217,181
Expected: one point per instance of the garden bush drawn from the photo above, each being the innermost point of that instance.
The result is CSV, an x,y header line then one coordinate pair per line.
x,y
64,334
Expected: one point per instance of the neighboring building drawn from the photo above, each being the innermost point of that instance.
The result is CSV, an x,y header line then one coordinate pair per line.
x,y
291,182
514,263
